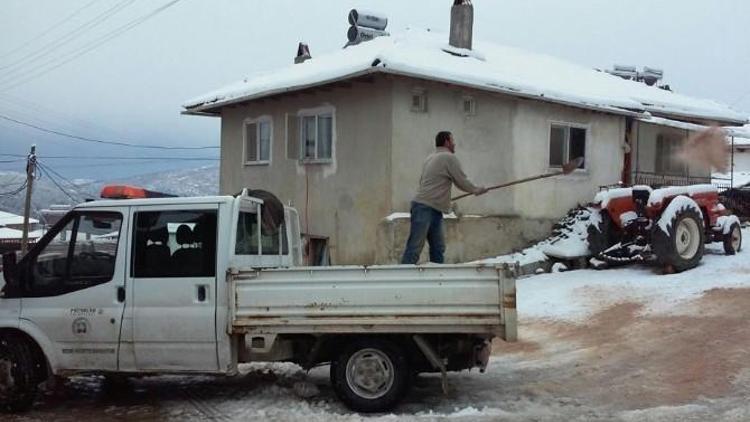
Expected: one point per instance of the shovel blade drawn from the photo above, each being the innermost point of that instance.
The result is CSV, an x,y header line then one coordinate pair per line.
x,y
571,165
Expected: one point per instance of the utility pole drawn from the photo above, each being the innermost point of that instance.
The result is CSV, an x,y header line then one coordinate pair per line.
x,y
30,172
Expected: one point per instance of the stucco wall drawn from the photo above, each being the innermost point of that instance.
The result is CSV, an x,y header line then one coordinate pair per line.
x,y
345,199
553,197
505,139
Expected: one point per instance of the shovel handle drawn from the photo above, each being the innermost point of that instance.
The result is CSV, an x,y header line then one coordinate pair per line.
x,y
515,182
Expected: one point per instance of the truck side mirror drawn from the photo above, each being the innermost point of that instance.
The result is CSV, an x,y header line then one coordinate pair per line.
x,y
10,268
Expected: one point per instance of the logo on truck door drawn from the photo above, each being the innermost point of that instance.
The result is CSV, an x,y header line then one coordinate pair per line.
x,y
80,326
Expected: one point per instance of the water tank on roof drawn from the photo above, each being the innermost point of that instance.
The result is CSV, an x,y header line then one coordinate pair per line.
x,y
367,19
365,26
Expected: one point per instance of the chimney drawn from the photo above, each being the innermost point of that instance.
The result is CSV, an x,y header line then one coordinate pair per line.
x,y
303,53
462,22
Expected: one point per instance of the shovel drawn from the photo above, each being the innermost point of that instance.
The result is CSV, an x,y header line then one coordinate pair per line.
x,y
567,168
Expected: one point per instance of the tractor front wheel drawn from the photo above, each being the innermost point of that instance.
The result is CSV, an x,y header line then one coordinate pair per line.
x,y
733,239
679,242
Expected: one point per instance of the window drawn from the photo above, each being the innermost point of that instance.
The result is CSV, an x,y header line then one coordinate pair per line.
x,y
469,105
174,244
257,135
79,253
566,143
316,136
248,242
419,100
667,156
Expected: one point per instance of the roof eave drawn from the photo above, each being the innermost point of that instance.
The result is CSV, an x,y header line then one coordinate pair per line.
x,y
214,109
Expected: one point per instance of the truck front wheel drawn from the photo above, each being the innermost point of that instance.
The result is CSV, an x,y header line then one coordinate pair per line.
x,y
370,375
17,374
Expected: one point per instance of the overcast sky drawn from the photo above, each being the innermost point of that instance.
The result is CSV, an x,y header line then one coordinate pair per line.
x,y
130,88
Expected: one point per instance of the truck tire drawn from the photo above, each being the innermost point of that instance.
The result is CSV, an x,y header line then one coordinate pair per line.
x,y
18,381
682,247
371,375
733,239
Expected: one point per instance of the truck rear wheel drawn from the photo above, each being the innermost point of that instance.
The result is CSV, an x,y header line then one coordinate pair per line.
x,y
682,245
371,375
17,374
733,240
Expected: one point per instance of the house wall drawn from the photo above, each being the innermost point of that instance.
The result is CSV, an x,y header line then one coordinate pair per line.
x,y
645,151
506,139
343,200
552,198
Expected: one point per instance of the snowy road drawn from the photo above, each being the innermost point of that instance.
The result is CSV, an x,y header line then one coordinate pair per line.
x,y
622,344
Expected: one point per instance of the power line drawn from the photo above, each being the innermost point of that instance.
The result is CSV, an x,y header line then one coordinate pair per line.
x,y
15,191
100,157
99,141
70,36
44,169
93,45
48,30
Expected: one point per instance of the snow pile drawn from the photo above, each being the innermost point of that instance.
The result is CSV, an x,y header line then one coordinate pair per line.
x,y
491,67
602,198
576,295
570,236
725,222
567,241
658,195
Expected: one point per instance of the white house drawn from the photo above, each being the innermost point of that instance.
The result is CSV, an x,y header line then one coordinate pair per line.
x,y
342,136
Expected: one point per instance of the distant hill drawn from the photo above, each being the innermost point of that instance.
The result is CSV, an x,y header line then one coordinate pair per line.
x,y
186,182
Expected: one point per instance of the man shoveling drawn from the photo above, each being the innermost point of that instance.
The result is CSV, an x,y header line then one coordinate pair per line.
x,y
440,171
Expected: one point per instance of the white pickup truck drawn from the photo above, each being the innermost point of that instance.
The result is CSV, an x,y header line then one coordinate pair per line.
x,y
198,285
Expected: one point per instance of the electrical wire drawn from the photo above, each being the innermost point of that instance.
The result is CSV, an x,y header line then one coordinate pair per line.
x,y
15,191
116,158
44,171
99,141
90,46
68,37
48,30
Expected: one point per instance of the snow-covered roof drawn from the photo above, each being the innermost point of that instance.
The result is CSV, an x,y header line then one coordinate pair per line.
x,y
489,67
7,234
7,218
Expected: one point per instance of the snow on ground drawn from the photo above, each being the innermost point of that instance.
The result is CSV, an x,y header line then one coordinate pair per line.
x,y
621,344
575,295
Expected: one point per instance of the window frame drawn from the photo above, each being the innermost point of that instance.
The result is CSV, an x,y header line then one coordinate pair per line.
x,y
26,262
198,208
421,95
566,144
257,121
316,112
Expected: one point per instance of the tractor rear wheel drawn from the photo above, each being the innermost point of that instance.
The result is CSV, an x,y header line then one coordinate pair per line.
x,y
733,239
600,236
679,242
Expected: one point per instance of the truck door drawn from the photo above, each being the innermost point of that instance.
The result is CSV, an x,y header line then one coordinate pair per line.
x,y
173,277
73,289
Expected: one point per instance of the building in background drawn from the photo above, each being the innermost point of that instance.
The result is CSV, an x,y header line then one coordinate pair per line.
x,y
343,136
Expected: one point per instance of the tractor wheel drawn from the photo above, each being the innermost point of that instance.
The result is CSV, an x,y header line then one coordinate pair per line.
x,y
681,247
18,381
600,236
733,239
371,375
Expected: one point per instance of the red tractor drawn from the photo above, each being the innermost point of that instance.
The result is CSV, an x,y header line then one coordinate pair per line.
x,y
668,225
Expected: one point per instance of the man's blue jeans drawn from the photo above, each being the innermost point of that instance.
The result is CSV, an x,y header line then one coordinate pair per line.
x,y
426,223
